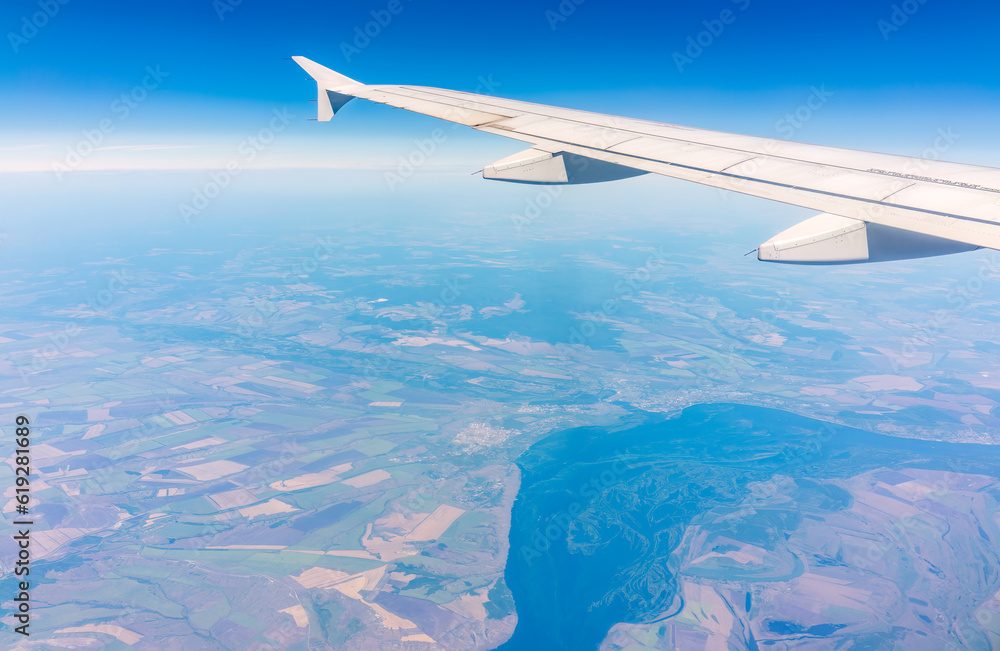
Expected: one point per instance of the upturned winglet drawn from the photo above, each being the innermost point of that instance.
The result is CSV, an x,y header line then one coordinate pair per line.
x,y
329,87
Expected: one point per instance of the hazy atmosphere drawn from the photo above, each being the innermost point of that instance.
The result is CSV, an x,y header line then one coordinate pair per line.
x,y
294,384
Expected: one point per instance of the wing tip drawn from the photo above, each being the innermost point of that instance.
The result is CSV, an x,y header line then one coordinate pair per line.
x,y
328,79
332,88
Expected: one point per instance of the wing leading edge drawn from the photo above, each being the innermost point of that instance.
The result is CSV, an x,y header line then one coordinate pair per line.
x,y
874,206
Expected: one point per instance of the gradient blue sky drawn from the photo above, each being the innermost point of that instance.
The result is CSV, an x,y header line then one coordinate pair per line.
x,y
227,72
936,73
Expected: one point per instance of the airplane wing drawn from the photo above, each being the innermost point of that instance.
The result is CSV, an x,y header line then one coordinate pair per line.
x,y
873,206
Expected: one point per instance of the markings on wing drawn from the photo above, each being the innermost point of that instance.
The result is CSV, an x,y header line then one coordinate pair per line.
x,y
948,200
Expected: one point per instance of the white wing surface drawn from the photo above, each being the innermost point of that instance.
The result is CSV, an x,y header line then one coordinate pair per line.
x,y
874,206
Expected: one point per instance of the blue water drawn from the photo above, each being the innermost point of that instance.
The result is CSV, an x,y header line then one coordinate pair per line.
x,y
599,511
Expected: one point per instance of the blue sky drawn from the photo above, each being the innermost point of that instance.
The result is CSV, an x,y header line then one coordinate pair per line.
x,y
226,67
894,86
217,50
897,75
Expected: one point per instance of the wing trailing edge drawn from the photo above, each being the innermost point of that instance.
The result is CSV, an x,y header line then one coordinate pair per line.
x,y
832,239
